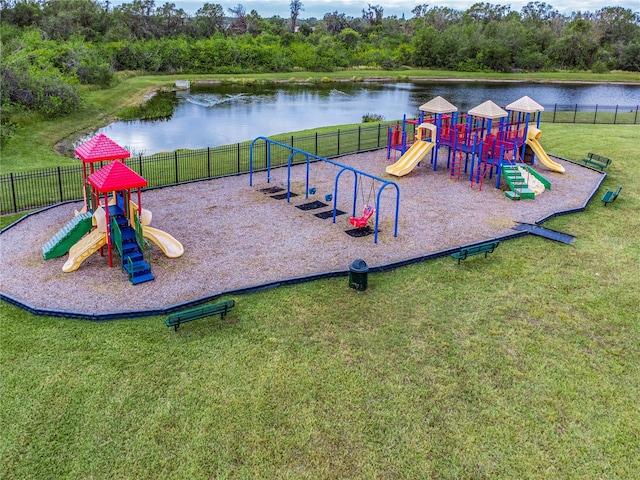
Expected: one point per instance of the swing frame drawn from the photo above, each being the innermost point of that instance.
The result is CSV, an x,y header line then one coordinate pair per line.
x,y
308,156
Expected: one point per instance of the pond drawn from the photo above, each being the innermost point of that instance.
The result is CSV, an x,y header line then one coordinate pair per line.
x,y
225,114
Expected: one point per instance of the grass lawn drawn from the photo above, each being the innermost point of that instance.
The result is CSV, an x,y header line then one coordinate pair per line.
x,y
523,365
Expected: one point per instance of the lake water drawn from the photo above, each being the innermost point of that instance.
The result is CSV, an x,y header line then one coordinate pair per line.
x,y
222,115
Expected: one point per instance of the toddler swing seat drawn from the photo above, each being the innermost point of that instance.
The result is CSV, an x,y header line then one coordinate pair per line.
x,y
362,221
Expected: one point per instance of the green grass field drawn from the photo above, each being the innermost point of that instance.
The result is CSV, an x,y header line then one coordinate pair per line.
x,y
523,365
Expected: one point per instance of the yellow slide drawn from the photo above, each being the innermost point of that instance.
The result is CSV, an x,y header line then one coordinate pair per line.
x,y
532,141
410,159
171,247
87,246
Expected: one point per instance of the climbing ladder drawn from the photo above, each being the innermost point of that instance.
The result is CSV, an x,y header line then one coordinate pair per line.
x,y
456,166
129,243
483,169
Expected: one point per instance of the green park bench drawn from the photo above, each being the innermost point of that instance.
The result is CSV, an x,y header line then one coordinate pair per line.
x,y
485,248
610,196
597,161
175,319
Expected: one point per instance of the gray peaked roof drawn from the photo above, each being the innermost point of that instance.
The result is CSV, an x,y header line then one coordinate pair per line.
x,y
526,105
488,109
438,105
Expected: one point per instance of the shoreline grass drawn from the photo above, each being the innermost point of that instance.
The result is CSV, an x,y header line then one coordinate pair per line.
x,y
39,142
524,365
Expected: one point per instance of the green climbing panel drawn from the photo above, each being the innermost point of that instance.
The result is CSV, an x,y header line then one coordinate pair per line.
x,y
67,236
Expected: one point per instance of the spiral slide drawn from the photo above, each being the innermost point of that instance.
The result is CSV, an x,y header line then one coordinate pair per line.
x,y
541,155
410,159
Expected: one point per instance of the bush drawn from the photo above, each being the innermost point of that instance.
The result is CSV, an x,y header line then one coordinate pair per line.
x,y
50,96
372,117
599,67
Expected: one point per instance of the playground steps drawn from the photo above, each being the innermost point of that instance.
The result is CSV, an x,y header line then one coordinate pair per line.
x,y
138,270
519,190
67,236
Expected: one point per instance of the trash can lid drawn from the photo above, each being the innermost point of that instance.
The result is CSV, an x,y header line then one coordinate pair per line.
x,y
359,266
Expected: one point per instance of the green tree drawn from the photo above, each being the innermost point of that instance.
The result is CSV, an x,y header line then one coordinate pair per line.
x,y
209,19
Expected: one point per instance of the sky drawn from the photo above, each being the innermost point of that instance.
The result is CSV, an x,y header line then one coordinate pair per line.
x,y
353,8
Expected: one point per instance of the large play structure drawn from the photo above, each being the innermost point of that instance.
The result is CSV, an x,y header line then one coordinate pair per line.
x,y
486,141
110,217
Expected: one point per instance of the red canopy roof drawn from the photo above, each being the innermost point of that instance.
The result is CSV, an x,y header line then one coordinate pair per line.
x,y
115,176
101,148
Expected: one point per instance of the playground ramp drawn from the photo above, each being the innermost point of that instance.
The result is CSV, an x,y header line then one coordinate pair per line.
x,y
410,159
541,155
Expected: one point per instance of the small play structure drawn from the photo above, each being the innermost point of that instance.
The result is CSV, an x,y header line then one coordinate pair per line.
x,y
110,218
369,210
486,141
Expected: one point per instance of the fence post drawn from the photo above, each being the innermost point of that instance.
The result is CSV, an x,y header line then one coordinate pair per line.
x,y
208,163
291,141
359,132
140,164
595,115
60,184
175,157
238,158
615,115
555,108
338,141
317,140
575,113
13,193
635,118
379,135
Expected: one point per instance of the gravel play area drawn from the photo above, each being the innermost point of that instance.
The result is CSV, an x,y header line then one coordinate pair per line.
x,y
236,236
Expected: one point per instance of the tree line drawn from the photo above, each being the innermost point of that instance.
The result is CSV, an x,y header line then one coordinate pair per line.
x,y
51,47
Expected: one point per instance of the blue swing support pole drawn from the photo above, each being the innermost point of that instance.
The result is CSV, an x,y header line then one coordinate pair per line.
x,y
308,156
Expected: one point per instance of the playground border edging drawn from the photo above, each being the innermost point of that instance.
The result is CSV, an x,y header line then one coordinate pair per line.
x,y
132,314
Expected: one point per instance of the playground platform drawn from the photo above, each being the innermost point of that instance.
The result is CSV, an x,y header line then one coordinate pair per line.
x,y
237,237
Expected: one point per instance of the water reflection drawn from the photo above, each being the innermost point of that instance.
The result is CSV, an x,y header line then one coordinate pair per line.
x,y
226,114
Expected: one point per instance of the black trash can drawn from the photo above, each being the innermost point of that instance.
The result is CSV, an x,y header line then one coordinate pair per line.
x,y
358,275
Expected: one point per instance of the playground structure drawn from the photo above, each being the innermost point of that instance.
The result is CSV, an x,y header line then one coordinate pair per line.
x,y
115,221
484,141
368,209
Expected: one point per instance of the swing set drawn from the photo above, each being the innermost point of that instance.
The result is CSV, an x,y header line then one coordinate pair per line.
x,y
369,210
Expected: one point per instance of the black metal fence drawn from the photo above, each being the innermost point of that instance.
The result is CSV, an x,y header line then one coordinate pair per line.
x,y
40,188
600,114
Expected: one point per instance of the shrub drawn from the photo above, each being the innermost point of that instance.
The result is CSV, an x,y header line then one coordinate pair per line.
x,y
372,117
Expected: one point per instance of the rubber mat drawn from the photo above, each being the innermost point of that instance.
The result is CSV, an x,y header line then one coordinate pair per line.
x,y
271,190
282,196
328,214
311,206
545,233
360,232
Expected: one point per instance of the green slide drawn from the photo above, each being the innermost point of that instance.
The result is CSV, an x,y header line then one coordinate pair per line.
x,y
67,236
